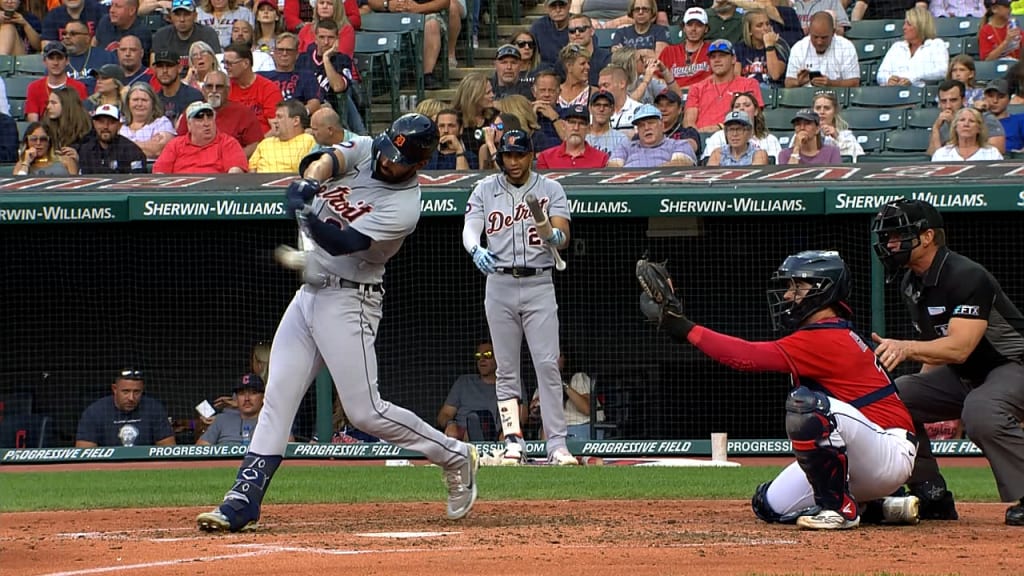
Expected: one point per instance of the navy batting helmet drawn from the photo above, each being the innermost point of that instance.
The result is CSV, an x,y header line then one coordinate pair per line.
x,y
829,278
411,139
515,141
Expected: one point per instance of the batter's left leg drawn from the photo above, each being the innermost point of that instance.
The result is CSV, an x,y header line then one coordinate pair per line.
x,y
540,324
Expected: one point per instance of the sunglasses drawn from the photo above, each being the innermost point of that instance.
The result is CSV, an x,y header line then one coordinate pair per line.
x,y
38,138
642,9
723,46
498,125
203,115
526,44
215,86
579,29
130,374
487,354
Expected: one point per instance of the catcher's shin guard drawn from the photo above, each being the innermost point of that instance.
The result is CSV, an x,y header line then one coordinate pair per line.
x,y
809,424
241,506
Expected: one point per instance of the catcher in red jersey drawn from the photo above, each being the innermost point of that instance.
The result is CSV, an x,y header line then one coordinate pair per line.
x,y
850,431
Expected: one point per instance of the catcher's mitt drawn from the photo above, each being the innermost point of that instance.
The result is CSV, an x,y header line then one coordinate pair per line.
x,y
658,301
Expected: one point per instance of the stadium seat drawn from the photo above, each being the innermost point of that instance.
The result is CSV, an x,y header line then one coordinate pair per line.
x,y
379,51
908,141
18,110
676,35
867,73
410,27
921,118
779,120
870,49
785,139
871,142
6,64
28,64
971,47
154,21
875,30
886,96
22,126
1015,109
873,119
605,37
988,70
804,97
770,96
957,27
955,46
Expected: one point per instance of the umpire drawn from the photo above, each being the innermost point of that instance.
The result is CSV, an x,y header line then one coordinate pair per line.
x,y
970,340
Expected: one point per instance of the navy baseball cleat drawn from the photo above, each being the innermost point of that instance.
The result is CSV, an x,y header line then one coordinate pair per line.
x,y
936,501
234,515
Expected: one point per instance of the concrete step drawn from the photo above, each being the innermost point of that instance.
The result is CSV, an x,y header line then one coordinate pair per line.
x,y
456,74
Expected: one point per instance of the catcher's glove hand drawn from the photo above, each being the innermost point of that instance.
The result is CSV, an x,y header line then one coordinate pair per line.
x,y
658,301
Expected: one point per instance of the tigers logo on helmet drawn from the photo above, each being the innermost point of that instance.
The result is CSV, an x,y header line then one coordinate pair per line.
x,y
400,140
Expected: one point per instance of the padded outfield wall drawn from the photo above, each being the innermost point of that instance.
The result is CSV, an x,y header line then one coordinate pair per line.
x,y
174,275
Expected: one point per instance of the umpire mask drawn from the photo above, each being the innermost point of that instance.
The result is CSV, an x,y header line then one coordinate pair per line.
x,y
898,227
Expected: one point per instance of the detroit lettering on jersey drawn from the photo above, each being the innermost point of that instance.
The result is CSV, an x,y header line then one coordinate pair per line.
x,y
383,211
497,220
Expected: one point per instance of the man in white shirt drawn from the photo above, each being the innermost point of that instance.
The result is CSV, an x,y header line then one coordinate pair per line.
x,y
823,58
613,79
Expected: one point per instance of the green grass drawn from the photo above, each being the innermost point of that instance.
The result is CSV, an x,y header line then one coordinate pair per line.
x,y
295,483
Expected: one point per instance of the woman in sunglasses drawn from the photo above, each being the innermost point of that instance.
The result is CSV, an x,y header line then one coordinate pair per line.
x,y
528,53
37,157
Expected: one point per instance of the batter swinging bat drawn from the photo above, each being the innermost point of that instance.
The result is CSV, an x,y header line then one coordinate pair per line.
x,y
540,220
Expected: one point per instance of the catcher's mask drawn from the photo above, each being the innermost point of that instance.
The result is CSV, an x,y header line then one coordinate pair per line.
x,y
901,221
516,141
829,281
411,139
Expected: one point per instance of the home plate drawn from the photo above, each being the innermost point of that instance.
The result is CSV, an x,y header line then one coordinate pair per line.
x,y
406,534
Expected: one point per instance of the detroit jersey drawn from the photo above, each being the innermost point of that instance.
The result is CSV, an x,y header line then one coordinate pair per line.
x,y
508,222
385,212
830,357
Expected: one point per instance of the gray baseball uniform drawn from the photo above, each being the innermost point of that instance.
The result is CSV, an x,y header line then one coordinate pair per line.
x,y
337,324
520,297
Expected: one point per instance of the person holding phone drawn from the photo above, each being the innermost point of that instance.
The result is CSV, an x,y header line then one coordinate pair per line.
x,y
823,58
19,29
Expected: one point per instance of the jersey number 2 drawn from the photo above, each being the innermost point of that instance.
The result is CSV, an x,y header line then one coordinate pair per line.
x,y
531,236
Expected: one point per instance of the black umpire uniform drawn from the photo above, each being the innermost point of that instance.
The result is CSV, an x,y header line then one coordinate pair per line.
x,y
986,390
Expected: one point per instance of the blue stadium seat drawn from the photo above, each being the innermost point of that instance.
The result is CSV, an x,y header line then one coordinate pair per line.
x,y
921,118
957,27
875,30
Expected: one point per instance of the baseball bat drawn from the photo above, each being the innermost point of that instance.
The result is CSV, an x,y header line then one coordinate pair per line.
x,y
540,221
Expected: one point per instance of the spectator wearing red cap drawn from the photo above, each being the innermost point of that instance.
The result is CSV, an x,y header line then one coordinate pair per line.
x,y
575,152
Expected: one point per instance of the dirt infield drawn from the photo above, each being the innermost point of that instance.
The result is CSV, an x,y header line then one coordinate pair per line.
x,y
584,538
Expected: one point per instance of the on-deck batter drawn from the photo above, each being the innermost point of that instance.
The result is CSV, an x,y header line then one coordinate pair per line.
x,y
357,219
520,293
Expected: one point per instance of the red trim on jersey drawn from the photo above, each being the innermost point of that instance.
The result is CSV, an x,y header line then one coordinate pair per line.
x,y
805,445
738,353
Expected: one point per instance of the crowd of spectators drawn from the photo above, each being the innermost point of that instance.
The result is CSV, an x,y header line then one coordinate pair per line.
x,y
686,66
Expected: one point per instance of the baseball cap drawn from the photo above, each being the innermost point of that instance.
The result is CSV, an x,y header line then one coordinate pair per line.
x,y
508,50
108,110
991,3
167,56
550,2
807,114
272,3
919,210
644,112
183,5
720,45
576,111
55,48
696,13
109,71
249,382
196,107
668,95
998,85
598,94
737,117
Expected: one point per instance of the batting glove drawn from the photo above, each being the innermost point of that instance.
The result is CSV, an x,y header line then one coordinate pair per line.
x,y
556,238
484,259
299,194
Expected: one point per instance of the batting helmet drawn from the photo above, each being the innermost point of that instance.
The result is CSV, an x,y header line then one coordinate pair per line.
x,y
829,278
515,141
904,221
411,139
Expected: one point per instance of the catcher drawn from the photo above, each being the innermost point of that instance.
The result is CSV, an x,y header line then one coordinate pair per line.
x,y
851,433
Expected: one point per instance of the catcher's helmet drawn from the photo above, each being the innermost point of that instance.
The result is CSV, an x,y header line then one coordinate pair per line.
x,y
902,220
411,139
829,278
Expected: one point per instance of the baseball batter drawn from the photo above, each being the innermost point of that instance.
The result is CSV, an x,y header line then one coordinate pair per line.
x,y
850,431
357,202
520,293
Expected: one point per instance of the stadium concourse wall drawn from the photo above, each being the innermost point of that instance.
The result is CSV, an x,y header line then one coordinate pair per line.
x,y
174,275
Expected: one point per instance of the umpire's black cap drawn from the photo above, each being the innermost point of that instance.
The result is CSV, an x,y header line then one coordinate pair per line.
x,y
920,212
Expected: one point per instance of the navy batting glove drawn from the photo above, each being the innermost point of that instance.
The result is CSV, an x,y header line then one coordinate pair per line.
x,y
556,238
299,194
484,259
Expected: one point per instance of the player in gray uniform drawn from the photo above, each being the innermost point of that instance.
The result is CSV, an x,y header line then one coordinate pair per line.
x,y
358,218
520,294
